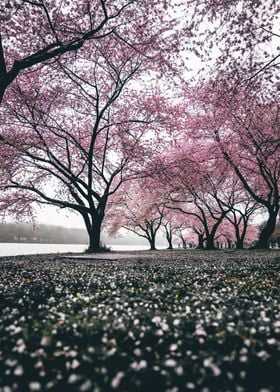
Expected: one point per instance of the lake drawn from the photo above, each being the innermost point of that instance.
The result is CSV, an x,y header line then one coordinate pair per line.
x,y
16,249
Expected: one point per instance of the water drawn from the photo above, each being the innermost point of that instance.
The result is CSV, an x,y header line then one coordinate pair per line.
x,y
16,249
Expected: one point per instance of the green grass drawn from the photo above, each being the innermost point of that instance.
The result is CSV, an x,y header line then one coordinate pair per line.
x,y
165,321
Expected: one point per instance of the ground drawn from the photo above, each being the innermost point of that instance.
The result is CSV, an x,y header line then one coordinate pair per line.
x,y
161,321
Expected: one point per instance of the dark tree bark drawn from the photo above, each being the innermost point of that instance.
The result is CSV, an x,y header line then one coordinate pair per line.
x,y
94,239
210,242
93,224
200,241
263,241
240,236
152,242
168,235
239,244
151,232
184,243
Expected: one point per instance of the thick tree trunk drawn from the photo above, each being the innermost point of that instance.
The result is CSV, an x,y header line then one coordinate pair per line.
x,y
240,237
200,242
94,237
152,242
263,241
210,243
239,244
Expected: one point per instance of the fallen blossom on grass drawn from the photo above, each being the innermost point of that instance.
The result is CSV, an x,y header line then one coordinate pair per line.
x,y
175,320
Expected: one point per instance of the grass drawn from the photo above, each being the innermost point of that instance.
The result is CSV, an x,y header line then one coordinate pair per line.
x,y
165,321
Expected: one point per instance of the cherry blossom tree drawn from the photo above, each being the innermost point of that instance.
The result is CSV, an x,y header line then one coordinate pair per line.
x,y
197,189
240,217
258,166
173,223
140,209
225,237
180,233
242,209
74,146
242,36
252,235
35,34
185,238
190,231
247,136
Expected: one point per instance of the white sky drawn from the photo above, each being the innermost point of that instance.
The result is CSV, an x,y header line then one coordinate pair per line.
x,y
59,217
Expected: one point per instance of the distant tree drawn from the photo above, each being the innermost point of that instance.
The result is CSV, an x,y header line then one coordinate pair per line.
x,y
240,219
225,237
139,209
181,236
197,190
173,223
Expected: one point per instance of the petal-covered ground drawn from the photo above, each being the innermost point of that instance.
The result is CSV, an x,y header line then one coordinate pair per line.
x,y
164,321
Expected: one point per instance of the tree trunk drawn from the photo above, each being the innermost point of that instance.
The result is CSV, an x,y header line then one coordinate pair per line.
x,y
152,242
200,242
210,243
169,240
168,236
239,239
239,244
184,244
263,241
94,237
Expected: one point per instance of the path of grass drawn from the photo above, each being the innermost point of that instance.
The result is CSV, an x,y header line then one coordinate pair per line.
x,y
167,321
